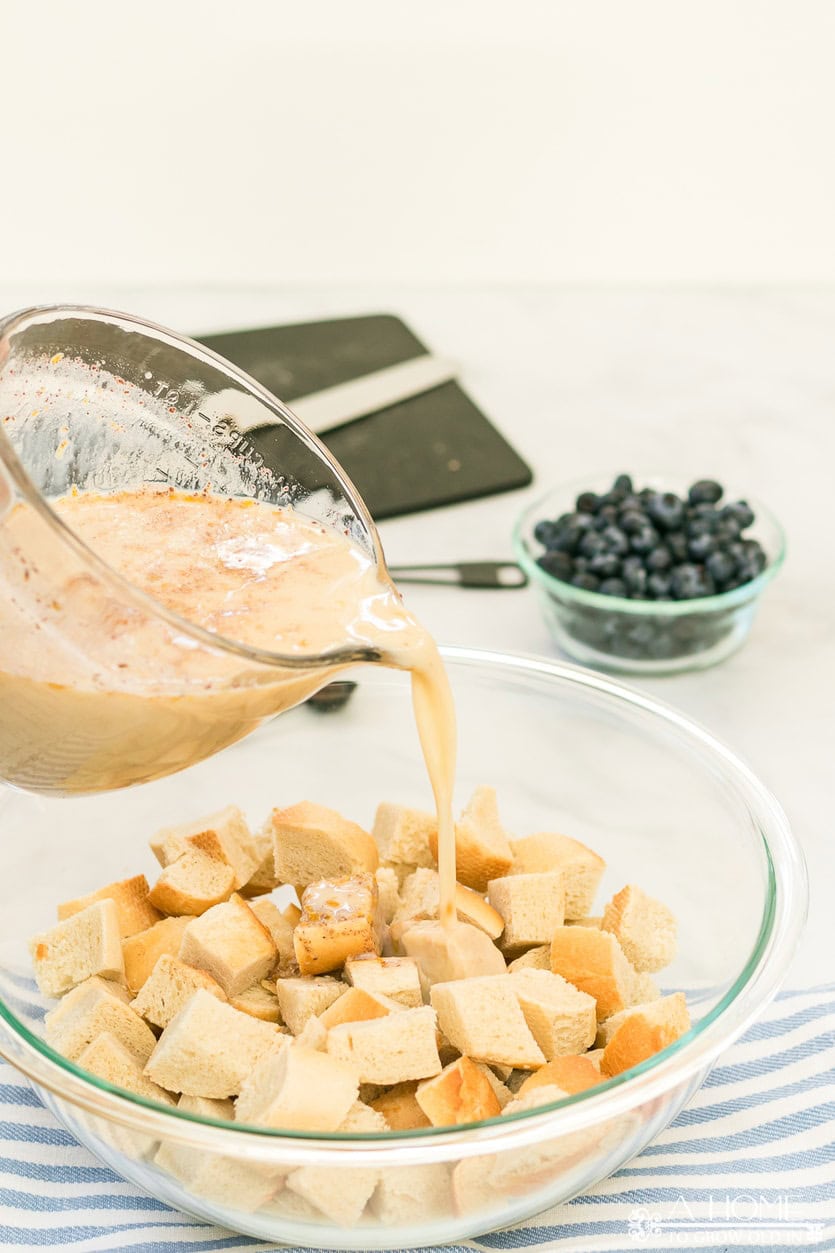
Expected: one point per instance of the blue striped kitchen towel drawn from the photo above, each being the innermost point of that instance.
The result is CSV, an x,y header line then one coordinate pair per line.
x,y
749,1164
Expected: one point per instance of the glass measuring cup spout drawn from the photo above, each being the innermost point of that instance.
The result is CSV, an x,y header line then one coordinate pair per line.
x,y
102,686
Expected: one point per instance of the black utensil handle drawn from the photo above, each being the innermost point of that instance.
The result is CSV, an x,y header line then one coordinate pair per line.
x,y
503,575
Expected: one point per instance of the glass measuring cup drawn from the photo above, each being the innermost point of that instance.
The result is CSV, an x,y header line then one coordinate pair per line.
x,y
126,690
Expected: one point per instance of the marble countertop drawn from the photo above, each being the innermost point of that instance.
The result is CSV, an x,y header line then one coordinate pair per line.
x,y
733,383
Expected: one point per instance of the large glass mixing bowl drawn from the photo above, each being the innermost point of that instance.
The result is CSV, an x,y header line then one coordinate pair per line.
x,y
668,807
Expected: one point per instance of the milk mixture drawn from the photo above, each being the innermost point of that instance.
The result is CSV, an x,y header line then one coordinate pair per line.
x,y
97,693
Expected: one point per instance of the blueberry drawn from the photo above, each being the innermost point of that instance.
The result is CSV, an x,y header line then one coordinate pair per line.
x,y
721,567
666,510
615,540
689,581
756,552
705,510
701,546
587,502
607,515
566,539
605,565
645,540
741,513
630,502
705,491
698,526
658,559
591,543
623,483
585,521
632,521
676,541
558,565
658,586
612,587
727,531
588,582
634,576
544,531
750,568
581,565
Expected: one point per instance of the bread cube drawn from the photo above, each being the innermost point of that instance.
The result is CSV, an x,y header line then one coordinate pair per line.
x,y
501,1092
544,1094
231,944
461,1093
388,892
446,953
571,1074
314,1035
646,929
113,1061
341,1196
538,958
302,998
339,920
130,896
644,988
420,899
141,952
225,1180
281,924
399,1106
210,1048
263,878
595,963
473,1189
362,1118
312,842
389,1050
91,1009
298,1089
233,836
644,1030
482,848
88,943
581,868
532,906
394,977
208,1107
259,1001
169,986
403,834
561,1019
484,1021
197,880
357,1006
409,1195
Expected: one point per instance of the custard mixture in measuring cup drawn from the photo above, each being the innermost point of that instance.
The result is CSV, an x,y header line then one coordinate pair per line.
x,y
164,586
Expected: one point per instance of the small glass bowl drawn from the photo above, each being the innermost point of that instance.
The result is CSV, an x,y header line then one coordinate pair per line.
x,y
644,636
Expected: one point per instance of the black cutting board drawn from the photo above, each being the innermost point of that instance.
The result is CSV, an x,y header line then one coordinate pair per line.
x,y
434,449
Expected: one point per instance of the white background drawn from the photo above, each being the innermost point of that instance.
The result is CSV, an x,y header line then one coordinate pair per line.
x,y
462,141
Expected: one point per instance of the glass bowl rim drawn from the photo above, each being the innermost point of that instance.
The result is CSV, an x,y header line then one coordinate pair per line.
x,y
784,911
623,604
